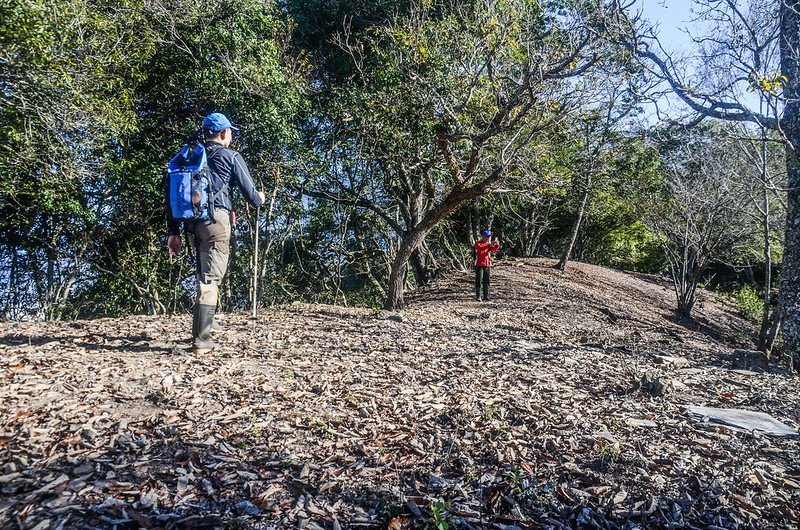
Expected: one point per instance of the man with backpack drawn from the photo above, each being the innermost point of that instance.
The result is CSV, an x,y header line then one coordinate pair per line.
x,y
210,229
482,263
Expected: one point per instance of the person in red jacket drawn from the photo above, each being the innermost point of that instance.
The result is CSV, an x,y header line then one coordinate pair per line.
x,y
482,263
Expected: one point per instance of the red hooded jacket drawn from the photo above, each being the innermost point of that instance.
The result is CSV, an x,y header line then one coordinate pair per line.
x,y
482,249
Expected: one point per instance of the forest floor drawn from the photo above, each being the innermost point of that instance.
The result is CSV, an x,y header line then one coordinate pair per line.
x,y
560,403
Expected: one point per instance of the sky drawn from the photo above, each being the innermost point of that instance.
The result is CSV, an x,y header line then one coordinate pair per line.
x,y
673,18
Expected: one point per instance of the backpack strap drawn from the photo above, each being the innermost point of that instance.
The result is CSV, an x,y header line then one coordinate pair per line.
x,y
219,192
225,184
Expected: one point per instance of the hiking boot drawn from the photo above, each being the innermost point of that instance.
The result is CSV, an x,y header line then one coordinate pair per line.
x,y
202,347
201,329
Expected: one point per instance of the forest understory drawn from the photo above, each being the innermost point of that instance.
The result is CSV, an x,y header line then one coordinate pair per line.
x,y
559,403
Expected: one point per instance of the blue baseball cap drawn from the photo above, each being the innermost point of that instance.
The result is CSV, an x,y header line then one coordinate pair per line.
x,y
486,233
216,121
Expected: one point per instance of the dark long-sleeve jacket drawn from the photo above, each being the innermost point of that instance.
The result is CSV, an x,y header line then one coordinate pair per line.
x,y
225,165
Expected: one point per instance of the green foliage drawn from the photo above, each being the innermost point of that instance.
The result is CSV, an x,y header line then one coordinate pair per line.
x,y
514,478
439,519
67,94
96,98
631,247
236,523
609,451
490,413
749,302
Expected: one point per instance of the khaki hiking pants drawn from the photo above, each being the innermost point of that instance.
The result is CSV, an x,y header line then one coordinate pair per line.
x,y
212,241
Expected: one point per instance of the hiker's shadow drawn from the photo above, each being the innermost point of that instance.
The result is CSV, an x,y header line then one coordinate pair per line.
x,y
93,342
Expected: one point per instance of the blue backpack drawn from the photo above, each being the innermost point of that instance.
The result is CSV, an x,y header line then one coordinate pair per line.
x,y
188,184
189,193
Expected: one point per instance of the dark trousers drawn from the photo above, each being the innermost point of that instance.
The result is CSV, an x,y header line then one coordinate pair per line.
x,y
482,280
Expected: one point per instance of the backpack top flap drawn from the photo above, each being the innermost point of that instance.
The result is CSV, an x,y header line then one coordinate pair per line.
x,y
187,160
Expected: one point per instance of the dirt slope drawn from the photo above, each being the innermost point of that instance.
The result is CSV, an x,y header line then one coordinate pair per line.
x,y
546,407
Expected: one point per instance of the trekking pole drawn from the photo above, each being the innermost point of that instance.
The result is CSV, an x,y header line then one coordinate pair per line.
x,y
255,265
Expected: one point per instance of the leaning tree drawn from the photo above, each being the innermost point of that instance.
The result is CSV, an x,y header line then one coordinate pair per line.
x,y
446,101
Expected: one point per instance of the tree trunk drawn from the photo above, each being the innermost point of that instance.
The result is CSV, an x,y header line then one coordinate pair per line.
x,y
394,298
419,266
532,236
686,270
790,123
687,296
577,225
52,309
765,320
769,342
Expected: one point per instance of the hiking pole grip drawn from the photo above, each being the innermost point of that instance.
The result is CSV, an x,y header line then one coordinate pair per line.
x,y
255,263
